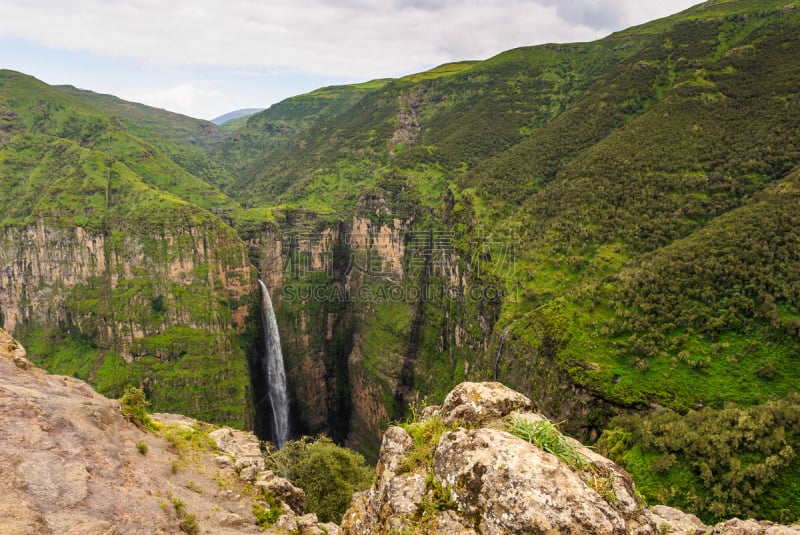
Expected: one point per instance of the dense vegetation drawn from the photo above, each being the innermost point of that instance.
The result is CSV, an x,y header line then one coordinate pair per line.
x,y
719,462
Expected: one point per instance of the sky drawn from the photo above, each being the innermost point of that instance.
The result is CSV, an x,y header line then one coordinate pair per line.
x,y
204,58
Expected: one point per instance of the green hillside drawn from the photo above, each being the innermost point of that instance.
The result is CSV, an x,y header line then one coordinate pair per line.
x,y
275,126
114,271
184,140
647,181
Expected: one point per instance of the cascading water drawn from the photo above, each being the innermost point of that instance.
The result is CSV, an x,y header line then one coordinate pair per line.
x,y
274,372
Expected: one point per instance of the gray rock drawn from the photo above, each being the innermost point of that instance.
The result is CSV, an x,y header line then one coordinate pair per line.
x,y
736,526
507,485
284,490
244,448
478,403
329,528
677,522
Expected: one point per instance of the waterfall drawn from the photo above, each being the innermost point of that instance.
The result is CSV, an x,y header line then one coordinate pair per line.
x,y
274,372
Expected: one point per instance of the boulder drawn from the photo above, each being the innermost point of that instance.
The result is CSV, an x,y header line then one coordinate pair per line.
x,y
243,448
677,522
478,403
284,490
736,526
507,485
485,480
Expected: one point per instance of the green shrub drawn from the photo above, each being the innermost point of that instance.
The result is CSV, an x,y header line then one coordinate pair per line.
x,y
141,447
716,463
267,516
133,406
329,474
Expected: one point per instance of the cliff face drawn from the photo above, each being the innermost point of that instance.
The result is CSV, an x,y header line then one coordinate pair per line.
x,y
135,305
46,269
367,308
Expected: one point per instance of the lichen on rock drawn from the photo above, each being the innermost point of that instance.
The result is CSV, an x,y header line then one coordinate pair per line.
x,y
482,479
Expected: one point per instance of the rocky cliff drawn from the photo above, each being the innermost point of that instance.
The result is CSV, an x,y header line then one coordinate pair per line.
x,y
135,305
484,463
72,464
363,306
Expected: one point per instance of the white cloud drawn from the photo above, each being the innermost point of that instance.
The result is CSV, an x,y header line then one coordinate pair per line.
x,y
184,98
356,38
207,57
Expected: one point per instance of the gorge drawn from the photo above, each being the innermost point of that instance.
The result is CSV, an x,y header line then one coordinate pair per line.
x,y
609,228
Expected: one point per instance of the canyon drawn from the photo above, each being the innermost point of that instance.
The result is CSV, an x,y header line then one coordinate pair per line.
x,y
607,227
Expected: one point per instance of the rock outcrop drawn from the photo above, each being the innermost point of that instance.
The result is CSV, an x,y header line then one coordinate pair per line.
x,y
73,465
482,479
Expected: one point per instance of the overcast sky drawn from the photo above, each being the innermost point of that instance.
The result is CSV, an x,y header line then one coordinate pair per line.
x,y
207,57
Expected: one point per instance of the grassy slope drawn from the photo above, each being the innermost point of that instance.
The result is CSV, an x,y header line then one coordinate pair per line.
x,y
41,109
184,140
272,127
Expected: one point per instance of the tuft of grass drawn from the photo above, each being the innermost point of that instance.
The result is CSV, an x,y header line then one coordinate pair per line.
x,y
141,447
426,435
544,434
180,507
188,523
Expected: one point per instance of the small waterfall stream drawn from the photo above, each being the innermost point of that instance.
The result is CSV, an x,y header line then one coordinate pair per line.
x,y
274,372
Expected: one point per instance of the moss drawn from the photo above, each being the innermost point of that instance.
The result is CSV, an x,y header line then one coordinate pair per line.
x,y
426,435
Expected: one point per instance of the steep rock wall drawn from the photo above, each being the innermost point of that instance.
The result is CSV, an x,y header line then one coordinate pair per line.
x,y
365,327
162,306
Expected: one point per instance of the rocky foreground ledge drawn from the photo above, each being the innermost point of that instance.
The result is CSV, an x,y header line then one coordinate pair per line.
x,y
481,479
71,464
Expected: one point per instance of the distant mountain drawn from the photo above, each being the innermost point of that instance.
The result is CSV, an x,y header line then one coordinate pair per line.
x,y
222,119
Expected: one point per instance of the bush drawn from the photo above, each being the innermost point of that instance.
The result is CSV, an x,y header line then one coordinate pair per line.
x,y
329,474
426,435
267,516
716,463
133,406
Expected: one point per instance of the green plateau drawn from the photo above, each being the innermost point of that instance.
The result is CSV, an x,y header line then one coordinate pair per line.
x,y
609,227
